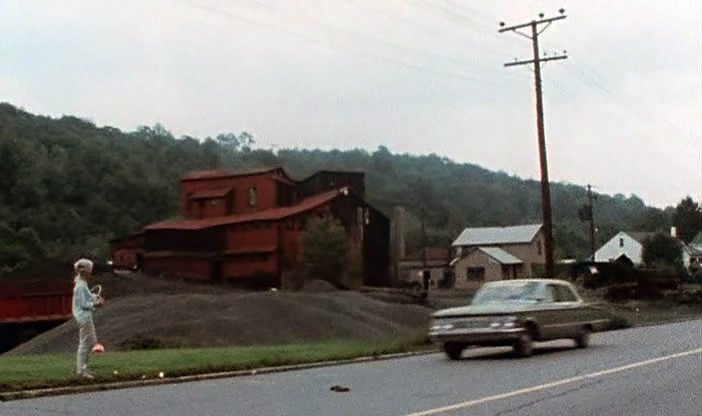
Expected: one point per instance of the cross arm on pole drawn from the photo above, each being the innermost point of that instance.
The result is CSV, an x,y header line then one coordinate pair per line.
x,y
532,61
533,22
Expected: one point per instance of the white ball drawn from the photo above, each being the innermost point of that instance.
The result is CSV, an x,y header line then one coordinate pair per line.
x,y
160,374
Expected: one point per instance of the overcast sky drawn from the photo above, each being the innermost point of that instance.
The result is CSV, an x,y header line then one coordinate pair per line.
x,y
623,113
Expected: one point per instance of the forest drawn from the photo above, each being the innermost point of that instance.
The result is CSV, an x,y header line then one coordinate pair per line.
x,y
67,187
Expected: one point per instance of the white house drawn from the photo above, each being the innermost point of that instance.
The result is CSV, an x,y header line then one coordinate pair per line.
x,y
626,244
691,256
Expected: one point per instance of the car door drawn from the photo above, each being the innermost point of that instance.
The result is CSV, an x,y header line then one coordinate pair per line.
x,y
549,316
570,311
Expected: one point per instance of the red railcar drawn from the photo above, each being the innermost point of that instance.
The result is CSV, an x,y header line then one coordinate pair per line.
x,y
30,307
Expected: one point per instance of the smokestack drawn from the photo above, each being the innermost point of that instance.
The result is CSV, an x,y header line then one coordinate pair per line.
x,y
397,240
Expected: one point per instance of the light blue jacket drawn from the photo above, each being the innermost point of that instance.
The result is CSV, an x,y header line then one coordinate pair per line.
x,y
83,301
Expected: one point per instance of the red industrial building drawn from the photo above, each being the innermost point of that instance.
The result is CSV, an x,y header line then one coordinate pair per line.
x,y
246,227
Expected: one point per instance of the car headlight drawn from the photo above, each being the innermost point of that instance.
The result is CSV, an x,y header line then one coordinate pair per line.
x,y
505,322
438,326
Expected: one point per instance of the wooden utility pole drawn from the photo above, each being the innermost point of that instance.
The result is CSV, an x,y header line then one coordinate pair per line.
x,y
591,215
424,238
536,61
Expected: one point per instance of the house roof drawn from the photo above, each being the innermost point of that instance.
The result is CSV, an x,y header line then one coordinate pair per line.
x,y
433,253
211,193
265,215
500,255
692,250
639,236
497,235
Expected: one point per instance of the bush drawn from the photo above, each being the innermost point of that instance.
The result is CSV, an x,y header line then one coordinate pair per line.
x,y
325,251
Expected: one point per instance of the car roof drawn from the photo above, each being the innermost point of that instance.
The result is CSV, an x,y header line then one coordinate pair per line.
x,y
541,281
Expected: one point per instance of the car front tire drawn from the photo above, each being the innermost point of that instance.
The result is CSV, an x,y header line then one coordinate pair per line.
x,y
582,340
524,345
454,350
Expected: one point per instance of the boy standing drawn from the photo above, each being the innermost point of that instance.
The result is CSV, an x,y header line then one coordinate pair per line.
x,y
84,303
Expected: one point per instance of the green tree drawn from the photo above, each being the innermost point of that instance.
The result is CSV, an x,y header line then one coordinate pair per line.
x,y
18,247
77,185
325,250
687,219
661,249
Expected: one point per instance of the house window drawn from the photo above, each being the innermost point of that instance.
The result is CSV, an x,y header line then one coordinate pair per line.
x,y
621,242
214,202
538,247
253,196
475,274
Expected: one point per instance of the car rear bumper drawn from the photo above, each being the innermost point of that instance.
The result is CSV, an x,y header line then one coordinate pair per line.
x,y
477,337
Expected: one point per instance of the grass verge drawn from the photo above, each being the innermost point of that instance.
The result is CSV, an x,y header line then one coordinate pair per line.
x,y
42,371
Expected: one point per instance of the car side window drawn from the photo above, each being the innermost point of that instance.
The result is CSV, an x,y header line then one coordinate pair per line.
x,y
564,294
568,295
551,294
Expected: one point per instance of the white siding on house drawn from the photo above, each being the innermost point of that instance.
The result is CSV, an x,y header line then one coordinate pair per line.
x,y
620,244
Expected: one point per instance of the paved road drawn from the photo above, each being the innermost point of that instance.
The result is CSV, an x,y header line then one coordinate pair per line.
x,y
645,371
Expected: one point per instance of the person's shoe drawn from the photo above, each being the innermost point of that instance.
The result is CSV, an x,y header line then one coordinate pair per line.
x,y
86,374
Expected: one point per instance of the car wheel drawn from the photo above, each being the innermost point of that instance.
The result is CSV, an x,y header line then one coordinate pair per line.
x,y
524,345
453,350
582,340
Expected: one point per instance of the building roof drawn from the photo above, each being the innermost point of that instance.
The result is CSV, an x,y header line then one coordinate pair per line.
x,y
433,253
228,173
500,255
517,234
692,250
211,193
265,215
639,236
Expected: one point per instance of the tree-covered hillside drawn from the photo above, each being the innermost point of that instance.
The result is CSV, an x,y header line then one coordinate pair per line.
x,y
67,187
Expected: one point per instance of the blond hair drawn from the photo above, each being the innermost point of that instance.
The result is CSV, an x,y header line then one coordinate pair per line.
x,y
83,265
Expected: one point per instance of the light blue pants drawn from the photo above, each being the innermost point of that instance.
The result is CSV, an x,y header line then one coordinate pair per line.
x,y
86,342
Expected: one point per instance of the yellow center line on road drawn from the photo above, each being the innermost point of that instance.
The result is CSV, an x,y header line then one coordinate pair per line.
x,y
598,374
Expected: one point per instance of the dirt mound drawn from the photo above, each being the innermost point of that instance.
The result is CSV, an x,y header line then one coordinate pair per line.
x,y
318,286
116,285
226,318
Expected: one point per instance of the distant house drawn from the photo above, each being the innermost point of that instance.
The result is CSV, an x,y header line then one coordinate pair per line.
x,y
691,256
436,260
497,253
625,246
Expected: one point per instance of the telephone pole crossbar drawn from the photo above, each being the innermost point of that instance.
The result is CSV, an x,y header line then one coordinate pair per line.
x,y
536,61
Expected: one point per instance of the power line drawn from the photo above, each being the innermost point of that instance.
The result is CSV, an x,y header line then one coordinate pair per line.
x,y
362,53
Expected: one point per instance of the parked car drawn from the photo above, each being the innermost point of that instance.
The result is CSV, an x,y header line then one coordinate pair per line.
x,y
517,313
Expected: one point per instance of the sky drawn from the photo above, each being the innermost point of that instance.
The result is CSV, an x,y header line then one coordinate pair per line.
x,y
623,112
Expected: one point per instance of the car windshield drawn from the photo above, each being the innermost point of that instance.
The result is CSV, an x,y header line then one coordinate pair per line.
x,y
508,292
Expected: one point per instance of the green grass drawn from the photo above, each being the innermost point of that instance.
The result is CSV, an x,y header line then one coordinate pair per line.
x,y
38,371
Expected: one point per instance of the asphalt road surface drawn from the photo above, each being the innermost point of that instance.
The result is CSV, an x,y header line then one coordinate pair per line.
x,y
644,371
